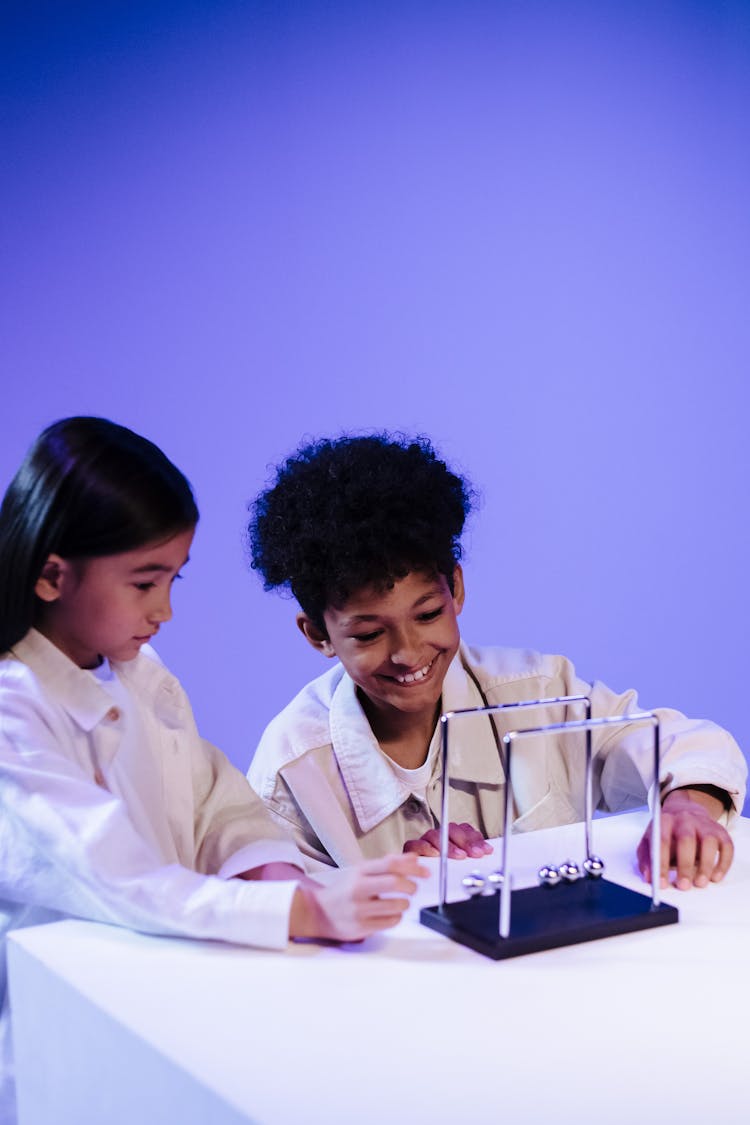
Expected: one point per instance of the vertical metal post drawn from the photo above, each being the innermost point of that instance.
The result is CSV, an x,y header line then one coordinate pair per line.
x,y
492,708
507,828
588,793
443,878
656,823
587,725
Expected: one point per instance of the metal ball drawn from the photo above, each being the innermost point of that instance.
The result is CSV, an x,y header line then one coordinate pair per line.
x,y
569,871
593,866
473,883
495,880
549,875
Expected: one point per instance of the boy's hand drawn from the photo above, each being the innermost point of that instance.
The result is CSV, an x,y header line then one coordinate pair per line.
x,y
692,842
359,901
463,841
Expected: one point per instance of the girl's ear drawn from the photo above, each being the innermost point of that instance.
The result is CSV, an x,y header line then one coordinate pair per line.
x,y
314,636
49,584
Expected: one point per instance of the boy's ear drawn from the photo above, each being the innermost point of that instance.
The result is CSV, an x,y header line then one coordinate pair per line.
x,y
459,592
313,635
49,584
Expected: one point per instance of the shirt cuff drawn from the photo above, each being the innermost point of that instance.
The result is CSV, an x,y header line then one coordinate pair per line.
x,y
259,853
261,914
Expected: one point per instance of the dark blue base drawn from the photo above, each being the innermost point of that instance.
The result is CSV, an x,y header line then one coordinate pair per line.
x,y
547,917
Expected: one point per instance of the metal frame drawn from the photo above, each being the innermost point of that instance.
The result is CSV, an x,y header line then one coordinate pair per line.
x,y
587,725
490,709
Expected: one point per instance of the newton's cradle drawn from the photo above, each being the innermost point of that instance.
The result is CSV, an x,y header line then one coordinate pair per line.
x,y
573,902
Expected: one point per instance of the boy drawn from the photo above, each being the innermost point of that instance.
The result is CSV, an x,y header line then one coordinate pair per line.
x,y
365,531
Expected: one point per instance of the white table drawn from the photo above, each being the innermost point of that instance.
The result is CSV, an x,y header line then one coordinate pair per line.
x,y
112,1026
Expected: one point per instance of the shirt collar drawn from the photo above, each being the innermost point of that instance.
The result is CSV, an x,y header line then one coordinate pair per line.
x,y
84,698
373,787
72,688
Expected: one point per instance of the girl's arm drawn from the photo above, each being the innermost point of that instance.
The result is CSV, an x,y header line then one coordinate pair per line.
x,y
68,845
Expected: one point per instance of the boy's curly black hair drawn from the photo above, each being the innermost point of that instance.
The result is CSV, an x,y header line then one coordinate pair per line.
x,y
350,512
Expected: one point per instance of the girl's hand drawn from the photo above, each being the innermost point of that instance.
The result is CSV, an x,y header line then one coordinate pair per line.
x,y
359,901
464,841
692,842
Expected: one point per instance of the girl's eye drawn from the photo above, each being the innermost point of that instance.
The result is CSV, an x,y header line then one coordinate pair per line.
x,y
431,614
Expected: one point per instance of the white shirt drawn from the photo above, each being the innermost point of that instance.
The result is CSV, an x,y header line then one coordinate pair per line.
x,y
135,774
417,780
70,846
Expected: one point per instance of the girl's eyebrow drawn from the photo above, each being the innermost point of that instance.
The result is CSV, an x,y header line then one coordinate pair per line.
x,y
157,568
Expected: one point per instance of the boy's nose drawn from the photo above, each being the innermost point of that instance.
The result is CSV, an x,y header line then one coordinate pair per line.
x,y
405,650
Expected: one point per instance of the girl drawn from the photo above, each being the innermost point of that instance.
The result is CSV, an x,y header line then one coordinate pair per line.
x,y
111,806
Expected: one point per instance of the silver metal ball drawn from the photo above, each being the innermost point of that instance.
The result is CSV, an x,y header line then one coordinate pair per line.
x,y
495,880
593,866
569,871
473,883
549,875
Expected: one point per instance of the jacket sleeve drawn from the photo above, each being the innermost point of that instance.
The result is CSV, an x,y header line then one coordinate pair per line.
x,y
67,845
693,751
266,776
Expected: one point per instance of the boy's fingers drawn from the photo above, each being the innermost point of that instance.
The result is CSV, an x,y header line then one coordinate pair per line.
x,y
420,847
685,855
726,855
665,847
708,853
467,837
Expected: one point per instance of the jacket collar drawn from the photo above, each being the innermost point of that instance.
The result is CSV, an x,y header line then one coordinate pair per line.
x,y
373,787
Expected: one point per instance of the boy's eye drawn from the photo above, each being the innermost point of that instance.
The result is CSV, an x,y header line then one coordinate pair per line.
x,y
144,586
431,614
364,637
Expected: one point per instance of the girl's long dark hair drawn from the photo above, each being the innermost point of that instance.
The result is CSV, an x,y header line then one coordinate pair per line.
x,y
87,488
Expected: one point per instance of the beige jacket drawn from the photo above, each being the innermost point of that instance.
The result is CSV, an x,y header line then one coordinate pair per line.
x,y
320,770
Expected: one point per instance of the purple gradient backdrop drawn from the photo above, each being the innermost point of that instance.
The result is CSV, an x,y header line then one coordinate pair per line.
x,y
520,228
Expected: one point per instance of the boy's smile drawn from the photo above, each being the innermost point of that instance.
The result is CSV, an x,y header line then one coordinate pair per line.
x,y
396,644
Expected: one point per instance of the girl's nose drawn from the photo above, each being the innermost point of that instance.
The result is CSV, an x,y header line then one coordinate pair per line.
x,y
162,609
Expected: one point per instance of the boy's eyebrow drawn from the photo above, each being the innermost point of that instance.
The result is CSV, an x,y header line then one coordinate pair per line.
x,y
357,617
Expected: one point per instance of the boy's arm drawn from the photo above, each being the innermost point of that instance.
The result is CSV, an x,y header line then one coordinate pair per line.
x,y
703,778
692,841
694,752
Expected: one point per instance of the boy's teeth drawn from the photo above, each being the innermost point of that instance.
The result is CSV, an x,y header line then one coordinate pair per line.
x,y
410,677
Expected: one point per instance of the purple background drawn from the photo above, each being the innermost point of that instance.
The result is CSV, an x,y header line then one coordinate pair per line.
x,y
521,228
